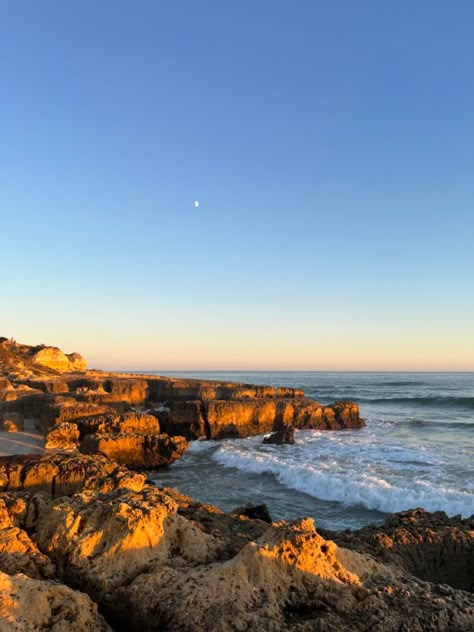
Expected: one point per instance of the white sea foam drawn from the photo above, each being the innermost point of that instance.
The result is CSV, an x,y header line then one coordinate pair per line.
x,y
354,468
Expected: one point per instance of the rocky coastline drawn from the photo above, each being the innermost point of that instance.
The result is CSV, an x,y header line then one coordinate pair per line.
x,y
88,542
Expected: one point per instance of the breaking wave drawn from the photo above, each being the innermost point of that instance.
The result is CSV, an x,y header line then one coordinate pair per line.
x,y
351,477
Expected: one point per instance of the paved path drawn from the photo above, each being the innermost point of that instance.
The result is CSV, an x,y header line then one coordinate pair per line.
x,y
28,442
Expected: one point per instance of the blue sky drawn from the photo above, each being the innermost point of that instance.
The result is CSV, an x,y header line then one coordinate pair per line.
x,y
331,148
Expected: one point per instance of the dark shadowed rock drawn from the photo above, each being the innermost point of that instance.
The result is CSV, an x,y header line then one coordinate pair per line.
x,y
285,435
254,512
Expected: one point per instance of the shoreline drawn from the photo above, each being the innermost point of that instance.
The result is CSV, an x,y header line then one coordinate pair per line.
x,y
86,537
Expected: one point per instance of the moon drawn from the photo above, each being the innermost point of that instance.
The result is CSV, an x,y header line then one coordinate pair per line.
x,y
196,203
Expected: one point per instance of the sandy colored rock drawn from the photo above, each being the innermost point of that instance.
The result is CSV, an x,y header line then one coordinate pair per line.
x,y
117,423
136,451
63,436
60,475
54,358
102,541
32,605
431,546
18,553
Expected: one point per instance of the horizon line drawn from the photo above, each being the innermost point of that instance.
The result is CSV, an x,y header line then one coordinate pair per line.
x,y
286,370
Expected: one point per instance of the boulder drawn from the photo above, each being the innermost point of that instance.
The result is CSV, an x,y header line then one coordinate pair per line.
x,y
136,451
63,436
285,435
54,358
76,362
254,512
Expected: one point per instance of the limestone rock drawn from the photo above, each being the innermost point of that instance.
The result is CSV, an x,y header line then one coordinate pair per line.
x,y
117,423
76,362
431,546
135,450
18,553
182,418
54,358
63,436
68,409
102,541
32,605
59,475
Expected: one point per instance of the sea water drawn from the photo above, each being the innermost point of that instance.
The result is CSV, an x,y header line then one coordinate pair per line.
x,y
416,451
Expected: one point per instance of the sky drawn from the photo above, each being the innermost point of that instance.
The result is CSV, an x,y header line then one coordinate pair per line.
x,y
330,146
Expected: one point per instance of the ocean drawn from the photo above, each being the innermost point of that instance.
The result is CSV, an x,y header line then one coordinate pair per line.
x,y
416,451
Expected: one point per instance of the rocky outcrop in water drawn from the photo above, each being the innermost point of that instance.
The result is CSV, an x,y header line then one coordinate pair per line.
x,y
284,436
193,409
155,559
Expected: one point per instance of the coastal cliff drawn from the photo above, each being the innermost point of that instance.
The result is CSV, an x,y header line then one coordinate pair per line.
x,y
88,542
69,403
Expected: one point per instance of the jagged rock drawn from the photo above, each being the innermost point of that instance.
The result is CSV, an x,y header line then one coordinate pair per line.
x,y
63,436
243,418
255,512
240,418
155,559
429,545
59,475
133,390
136,451
285,435
12,422
68,409
32,605
18,553
116,423
121,535
76,362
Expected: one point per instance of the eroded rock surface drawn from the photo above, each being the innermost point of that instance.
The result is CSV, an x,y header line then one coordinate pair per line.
x,y
431,546
32,605
155,559
137,451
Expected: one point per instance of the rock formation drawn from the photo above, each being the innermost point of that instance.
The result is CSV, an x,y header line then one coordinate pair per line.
x,y
154,559
285,435
104,413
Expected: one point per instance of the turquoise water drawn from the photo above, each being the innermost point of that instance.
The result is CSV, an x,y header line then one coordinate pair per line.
x,y
417,451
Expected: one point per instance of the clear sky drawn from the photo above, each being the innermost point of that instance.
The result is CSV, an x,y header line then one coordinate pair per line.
x,y
330,146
